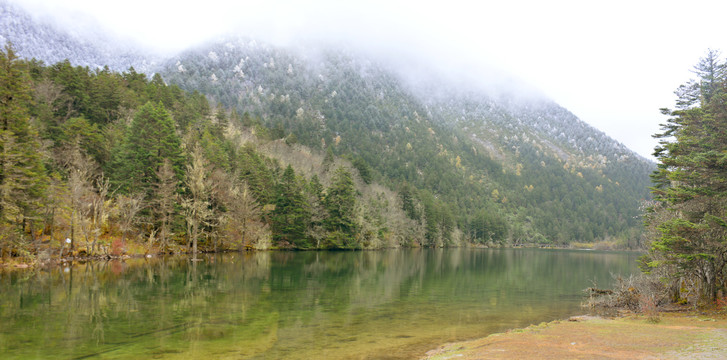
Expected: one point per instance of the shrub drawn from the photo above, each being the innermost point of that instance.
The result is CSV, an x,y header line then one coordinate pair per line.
x,y
117,247
641,293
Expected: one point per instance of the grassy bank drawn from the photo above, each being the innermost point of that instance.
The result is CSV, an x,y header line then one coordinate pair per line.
x,y
676,336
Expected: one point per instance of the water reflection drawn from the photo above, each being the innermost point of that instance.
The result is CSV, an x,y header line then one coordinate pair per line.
x,y
394,304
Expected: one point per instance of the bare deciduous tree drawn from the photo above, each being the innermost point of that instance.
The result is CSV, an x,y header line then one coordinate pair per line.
x,y
98,211
127,211
81,169
197,207
166,196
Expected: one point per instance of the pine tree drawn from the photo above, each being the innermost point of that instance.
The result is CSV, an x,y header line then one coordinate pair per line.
x,y
23,178
149,140
328,159
689,222
291,216
364,170
408,202
316,194
340,202
711,72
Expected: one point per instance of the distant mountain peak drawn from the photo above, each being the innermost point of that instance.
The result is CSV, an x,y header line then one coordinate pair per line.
x,y
42,38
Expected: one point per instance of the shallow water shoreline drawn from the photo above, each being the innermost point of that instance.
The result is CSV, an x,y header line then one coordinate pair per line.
x,y
678,335
291,304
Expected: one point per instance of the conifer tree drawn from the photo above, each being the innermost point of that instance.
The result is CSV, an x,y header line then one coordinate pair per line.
x,y
149,140
315,192
364,170
292,215
689,221
340,203
22,174
408,202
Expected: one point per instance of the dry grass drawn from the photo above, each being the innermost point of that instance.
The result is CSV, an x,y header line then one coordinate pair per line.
x,y
677,336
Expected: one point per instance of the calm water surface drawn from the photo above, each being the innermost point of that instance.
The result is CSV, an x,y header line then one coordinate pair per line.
x,y
297,305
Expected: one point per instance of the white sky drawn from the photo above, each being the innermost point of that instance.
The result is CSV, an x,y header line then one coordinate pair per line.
x,y
612,63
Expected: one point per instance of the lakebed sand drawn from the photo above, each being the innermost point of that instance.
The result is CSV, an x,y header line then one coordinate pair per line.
x,y
684,335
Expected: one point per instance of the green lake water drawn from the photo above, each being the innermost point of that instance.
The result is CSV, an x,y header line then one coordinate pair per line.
x,y
292,305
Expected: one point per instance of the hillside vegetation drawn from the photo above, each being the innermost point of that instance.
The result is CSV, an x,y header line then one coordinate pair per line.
x,y
464,160
98,162
244,144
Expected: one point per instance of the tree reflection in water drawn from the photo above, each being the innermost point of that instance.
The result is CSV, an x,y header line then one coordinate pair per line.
x,y
395,303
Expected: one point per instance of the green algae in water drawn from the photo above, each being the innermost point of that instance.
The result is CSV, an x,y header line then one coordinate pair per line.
x,y
297,305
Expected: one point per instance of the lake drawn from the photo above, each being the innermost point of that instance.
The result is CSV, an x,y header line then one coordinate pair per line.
x,y
297,305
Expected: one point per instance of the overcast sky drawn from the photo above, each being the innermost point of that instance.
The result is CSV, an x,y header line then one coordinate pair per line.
x,y
612,63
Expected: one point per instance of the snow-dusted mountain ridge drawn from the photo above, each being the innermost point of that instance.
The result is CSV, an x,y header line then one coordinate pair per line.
x,y
473,146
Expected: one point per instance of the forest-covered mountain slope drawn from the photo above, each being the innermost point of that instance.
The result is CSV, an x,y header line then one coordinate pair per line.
x,y
473,159
468,165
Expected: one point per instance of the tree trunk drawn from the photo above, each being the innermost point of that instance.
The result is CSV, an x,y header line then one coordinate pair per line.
x,y
244,229
73,226
194,241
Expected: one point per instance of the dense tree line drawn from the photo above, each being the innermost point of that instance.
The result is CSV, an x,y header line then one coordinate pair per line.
x,y
687,222
106,163
459,157
304,161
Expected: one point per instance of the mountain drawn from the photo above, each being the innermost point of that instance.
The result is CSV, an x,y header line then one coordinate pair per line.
x,y
468,164
470,153
39,38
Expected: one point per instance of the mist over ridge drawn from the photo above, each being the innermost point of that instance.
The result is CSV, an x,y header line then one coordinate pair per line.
x,y
391,45
472,140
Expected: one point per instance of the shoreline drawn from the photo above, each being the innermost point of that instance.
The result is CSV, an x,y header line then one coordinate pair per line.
x,y
677,335
53,262
18,263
